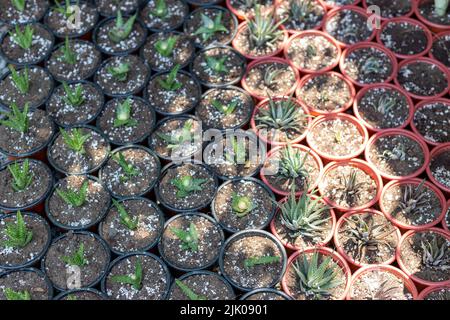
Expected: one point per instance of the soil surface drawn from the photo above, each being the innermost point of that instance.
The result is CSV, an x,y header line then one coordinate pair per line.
x,y
210,286
312,18
439,294
427,10
177,10
30,281
433,121
109,8
348,27
83,295
440,167
404,38
441,50
58,23
392,8
33,11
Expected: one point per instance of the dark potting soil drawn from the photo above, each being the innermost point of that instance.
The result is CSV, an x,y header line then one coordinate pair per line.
x,y
210,240
334,187
336,137
397,155
145,164
422,78
140,111
110,8
243,9
392,8
348,26
234,65
65,114
378,284
96,150
440,167
412,256
136,78
368,65
282,82
211,117
40,87
16,256
194,21
83,295
433,121
426,211
94,253
195,199
261,202
21,280
441,50
154,279
59,24
173,127
120,238
243,41
34,10
373,107
252,246
293,282
181,54
40,131
177,10
92,210
88,58
325,92
173,101
313,16
380,250
264,296
447,218
271,172
312,52
41,45
439,294
404,38
427,10
212,287
40,183
338,3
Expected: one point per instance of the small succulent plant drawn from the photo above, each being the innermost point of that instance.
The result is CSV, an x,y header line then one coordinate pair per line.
x,y
135,279
349,187
23,38
292,165
435,255
21,174
119,72
217,65
171,83
161,11
386,104
188,291
69,56
225,109
178,139
387,291
12,295
209,26
300,10
19,236
73,97
271,77
186,185
123,115
66,10
241,205
122,29
440,7
19,4
264,30
398,153
414,199
188,238
77,258
264,260
22,80
75,140
125,218
74,198
165,47
129,169
16,119
372,65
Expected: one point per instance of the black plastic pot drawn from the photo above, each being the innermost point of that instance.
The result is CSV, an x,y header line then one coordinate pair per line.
x,y
101,241
35,259
161,262
36,19
149,188
66,227
125,12
266,290
151,245
259,182
175,27
64,294
256,233
179,216
39,272
170,208
203,3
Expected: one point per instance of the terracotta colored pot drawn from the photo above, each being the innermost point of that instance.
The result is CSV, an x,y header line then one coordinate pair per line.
x,y
324,251
342,116
241,16
425,292
339,247
364,90
435,27
365,5
436,151
406,133
318,27
405,269
414,181
329,6
435,38
360,164
444,221
362,45
408,283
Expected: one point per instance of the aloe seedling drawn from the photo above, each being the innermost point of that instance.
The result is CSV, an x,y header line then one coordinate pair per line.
x,y
217,64
21,81
19,4
125,218
189,238
12,295
67,10
165,47
75,140
187,184
338,136
119,72
75,198
69,56
238,151
77,258
170,83
73,97
160,10
264,30
271,75
123,115
372,65
225,109
398,153
316,280
387,292
16,119
435,255
135,280
413,200
350,187
385,104
122,29
251,262
292,164
19,236
188,291
23,39
241,205
301,10
176,140
440,7
311,51
22,175
210,27
129,169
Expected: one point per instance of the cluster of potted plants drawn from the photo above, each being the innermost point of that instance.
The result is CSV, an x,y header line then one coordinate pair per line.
x,y
219,150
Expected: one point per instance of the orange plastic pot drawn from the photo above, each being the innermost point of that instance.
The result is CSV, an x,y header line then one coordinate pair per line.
x,y
425,292
435,27
295,31
407,15
239,14
335,6
435,38
436,151
444,221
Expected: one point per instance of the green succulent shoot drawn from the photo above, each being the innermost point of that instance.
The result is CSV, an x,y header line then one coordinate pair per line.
x,y
160,10
225,109
272,77
217,65
19,4
19,236
124,216
414,199
123,115
77,258
75,140
188,238
122,29
21,174
241,205
23,38
12,295
66,10
129,170
349,187
75,97
209,26
74,198
238,152
188,292
264,30
135,279
119,72
434,254
264,260
372,65
176,140
187,184
170,82
301,10
20,79
165,47
16,119
386,104
440,7
69,56
292,165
